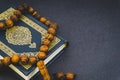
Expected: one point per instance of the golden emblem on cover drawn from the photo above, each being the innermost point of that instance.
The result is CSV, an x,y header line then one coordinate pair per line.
x,y
19,35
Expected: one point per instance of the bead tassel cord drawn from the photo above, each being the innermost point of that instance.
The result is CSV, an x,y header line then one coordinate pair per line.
x,y
41,55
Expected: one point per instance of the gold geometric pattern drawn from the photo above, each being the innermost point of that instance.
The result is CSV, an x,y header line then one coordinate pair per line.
x,y
18,35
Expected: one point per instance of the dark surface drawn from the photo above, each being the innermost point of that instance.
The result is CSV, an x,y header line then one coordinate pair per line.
x,y
92,28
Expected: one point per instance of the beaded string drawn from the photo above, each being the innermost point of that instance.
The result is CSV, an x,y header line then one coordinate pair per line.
x,y
41,55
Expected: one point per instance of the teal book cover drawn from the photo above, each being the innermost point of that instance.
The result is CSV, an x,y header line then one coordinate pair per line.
x,y
25,38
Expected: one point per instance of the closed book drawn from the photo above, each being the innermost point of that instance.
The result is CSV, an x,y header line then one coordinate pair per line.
x,y
25,38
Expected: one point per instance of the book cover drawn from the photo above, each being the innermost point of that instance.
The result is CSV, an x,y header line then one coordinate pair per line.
x,y
25,38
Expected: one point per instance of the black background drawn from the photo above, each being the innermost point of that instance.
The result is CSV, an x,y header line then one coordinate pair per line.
x,y
92,28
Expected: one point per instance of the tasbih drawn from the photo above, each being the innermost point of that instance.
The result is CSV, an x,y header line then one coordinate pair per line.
x,y
41,55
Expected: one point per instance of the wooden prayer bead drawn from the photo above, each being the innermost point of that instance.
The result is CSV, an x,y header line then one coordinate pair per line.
x,y
47,22
54,25
15,58
41,55
47,77
6,60
43,70
24,59
30,10
37,16
43,19
9,23
44,48
32,60
40,64
1,63
49,36
2,25
51,31
21,8
46,42
70,76
59,75
34,13
14,18
25,6
17,13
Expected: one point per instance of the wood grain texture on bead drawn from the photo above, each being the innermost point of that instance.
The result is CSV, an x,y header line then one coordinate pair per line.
x,y
32,60
9,23
17,13
43,19
51,31
49,36
46,42
41,55
6,60
70,76
15,58
14,18
24,59
43,70
44,48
